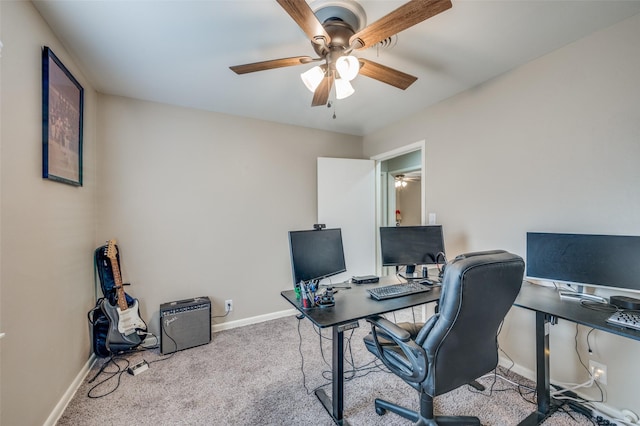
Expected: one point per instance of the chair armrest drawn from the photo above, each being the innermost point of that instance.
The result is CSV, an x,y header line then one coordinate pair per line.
x,y
394,332
412,367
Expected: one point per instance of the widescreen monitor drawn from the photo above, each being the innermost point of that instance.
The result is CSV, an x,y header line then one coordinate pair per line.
x,y
584,259
316,254
411,245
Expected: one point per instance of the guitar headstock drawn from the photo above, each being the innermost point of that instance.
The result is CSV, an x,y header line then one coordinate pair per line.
x,y
112,251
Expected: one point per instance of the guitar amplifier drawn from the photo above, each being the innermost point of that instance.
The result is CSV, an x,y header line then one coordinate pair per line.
x,y
185,324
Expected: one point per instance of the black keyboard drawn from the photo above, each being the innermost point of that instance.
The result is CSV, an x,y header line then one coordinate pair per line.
x,y
397,290
629,319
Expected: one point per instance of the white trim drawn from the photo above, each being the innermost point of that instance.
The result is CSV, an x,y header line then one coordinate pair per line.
x,y
75,385
399,151
517,368
422,147
252,320
531,375
69,394
379,158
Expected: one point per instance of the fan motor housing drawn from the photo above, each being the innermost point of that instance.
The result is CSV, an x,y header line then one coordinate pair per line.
x,y
341,19
340,33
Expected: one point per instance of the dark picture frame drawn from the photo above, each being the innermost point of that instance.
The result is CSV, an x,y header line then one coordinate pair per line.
x,y
62,107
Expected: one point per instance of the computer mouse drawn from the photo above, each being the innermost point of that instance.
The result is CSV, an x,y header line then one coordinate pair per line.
x,y
426,281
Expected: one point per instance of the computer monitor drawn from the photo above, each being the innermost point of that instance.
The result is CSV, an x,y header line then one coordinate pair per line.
x,y
584,259
316,254
411,245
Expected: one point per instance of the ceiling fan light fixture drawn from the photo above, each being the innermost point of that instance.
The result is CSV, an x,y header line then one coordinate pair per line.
x,y
348,67
336,28
400,182
344,89
312,78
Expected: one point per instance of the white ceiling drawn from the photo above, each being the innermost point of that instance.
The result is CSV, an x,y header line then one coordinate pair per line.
x,y
179,52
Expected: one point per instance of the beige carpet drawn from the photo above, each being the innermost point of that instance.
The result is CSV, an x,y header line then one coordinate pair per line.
x,y
252,376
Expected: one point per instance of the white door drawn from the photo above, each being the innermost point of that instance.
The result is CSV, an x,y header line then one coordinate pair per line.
x,y
346,200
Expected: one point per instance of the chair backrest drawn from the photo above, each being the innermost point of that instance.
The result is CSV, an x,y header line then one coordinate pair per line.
x,y
478,289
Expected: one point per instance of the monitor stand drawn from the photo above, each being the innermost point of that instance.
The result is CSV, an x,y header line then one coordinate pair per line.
x,y
410,273
579,295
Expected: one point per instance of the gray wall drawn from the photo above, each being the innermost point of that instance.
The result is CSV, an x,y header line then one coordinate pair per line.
x,y
201,203
48,233
551,146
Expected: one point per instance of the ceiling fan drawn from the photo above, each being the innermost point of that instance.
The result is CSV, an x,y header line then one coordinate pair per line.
x,y
401,180
338,35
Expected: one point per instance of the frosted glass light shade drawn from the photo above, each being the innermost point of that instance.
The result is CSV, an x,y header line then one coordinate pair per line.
x,y
312,78
344,89
348,67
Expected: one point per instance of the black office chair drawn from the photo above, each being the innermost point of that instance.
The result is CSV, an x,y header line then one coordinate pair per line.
x,y
459,343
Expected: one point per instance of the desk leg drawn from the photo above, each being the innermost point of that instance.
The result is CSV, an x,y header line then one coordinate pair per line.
x,y
543,381
542,362
335,407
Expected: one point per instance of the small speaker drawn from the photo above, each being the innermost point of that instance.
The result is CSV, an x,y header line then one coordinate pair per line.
x,y
185,324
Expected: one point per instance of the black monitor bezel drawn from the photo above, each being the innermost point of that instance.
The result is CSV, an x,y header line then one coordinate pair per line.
x,y
594,260
297,262
419,259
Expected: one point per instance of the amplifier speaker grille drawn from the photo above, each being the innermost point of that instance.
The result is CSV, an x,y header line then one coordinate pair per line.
x,y
185,324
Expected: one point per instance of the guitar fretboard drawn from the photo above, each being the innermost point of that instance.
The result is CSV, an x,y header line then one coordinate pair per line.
x,y
117,279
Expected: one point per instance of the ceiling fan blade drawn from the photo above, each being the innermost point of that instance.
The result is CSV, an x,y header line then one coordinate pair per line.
x,y
300,11
321,95
407,15
267,65
385,74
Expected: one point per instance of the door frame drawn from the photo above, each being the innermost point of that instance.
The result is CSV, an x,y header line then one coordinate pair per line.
x,y
381,187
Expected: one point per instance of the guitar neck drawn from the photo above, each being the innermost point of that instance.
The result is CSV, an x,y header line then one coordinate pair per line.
x,y
122,301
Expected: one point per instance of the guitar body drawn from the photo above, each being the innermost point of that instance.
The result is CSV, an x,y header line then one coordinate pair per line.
x,y
126,329
129,321
117,341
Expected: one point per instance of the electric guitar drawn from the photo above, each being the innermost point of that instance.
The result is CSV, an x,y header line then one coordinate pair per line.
x,y
124,320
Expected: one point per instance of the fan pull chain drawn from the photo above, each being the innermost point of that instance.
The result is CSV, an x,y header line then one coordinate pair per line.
x,y
329,105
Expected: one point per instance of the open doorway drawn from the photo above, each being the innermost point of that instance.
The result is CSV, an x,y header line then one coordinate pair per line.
x,y
404,174
398,204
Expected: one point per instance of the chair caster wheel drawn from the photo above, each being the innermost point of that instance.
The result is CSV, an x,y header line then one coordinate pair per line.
x,y
380,411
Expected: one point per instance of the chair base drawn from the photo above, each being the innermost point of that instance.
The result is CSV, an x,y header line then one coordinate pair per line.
x,y
383,406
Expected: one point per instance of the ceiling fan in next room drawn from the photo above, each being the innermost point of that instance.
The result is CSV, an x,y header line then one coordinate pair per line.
x,y
401,180
336,29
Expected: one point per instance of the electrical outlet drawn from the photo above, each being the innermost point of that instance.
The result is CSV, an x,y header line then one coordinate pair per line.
x,y
228,305
598,371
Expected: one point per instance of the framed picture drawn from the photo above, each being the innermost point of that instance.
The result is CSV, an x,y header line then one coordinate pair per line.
x,y
62,102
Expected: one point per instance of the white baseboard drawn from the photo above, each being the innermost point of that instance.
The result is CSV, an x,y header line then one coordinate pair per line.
x,y
518,369
253,320
71,391
62,404
608,411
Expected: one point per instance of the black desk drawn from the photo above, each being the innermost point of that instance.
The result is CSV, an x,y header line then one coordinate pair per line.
x,y
351,305
548,306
